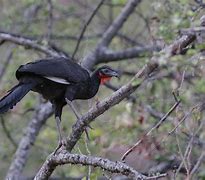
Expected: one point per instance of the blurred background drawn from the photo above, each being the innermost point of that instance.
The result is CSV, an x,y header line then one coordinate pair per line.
x,y
175,147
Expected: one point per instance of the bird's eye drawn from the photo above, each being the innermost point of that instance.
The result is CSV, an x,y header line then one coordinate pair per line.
x,y
106,71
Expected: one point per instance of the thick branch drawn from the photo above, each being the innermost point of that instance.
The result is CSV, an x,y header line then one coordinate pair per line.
x,y
91,59
23,41
119,95
115,98
101,107
179,46
105,164
43,112
108,56
118,22
194,30
34,45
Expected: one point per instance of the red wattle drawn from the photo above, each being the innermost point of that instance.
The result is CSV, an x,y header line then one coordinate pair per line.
x,y
104,79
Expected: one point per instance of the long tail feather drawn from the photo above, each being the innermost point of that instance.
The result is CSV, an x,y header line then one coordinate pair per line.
x,y
14,96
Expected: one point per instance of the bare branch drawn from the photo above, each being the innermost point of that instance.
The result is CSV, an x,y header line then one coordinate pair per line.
x,y
85,27
180,45
23,41
9,55
150,131
123,92
108,55
198,163
50,20
91,59
194,30
115,98
7,132
79,127
177,48
43,112
118,22
105,164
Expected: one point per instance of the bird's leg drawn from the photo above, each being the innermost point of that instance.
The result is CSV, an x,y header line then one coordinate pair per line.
x,y
90,103
78,116
94,102
73,108
97,102
58,121
60,136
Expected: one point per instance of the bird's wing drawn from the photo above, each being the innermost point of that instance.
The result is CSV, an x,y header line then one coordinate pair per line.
x,y
57,79
60,70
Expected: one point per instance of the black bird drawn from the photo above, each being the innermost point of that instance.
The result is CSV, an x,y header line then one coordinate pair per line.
x,y
59,80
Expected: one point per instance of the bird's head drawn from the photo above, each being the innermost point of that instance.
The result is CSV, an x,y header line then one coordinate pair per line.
x,y
105,73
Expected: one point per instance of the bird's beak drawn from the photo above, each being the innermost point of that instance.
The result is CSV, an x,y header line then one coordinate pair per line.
x,y
115,74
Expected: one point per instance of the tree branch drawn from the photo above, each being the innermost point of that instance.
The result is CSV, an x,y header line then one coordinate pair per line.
x,y
156,126
118,22
120,94
133,52
79,127
8,60
105,164
85,27
7,132
43,112
176,48
23,41
115,98
91,59
50,20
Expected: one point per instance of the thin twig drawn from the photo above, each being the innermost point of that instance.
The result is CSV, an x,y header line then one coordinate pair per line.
x,y
9,55
50,20
89,153
7,133
171,132
150,131
183,160
198,163
85,27
186,156
179,123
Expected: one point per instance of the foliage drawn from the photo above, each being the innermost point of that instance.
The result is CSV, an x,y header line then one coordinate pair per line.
x,y
155,22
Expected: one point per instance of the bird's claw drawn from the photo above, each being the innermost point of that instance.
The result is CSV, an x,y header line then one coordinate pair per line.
x,y
97,102
86,131
87,134
61,143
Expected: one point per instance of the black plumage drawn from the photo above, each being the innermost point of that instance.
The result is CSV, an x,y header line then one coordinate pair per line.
x,y
59,80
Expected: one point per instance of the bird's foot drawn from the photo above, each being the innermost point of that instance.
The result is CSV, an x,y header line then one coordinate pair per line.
x,y
61,143
87,134
97,102
86,131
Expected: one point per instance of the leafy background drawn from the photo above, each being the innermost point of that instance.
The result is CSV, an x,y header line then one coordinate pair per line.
x,y
153,22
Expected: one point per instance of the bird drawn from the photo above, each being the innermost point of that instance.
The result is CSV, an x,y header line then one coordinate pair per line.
x,y
59,80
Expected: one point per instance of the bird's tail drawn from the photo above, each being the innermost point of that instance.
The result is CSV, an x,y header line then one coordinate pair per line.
x,y
14,96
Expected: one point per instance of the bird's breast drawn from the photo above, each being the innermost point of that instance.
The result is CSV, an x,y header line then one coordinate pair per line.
x,y
86,90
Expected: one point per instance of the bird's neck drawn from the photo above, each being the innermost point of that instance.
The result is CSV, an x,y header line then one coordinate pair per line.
x,y
95,83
